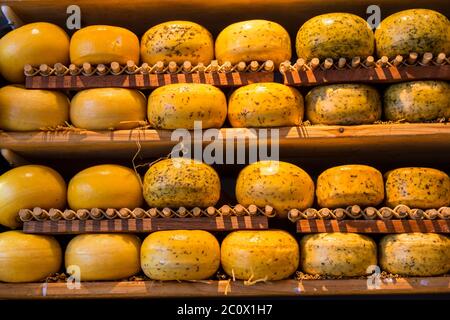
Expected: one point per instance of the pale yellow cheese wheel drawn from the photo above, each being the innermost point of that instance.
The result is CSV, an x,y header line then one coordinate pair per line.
x,y
253,40
180,255
177,41
337,254
104,44
108,109
105,256
105,186
416,187
415,254
278,184
343,104
30,110
414,30
179,105
347,185
335,35
265,105
257,255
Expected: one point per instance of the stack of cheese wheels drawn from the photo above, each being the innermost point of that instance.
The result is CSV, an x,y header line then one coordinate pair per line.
x,y
415,254
180,255
337,254
259,255
177,41
103,44
278,184
265,105
108,109
29,110
91,257
253,40
415,30
335,35
417,101
343,104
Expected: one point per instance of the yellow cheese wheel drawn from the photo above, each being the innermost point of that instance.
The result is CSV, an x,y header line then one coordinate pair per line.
x,y
337,254
35,44
343,104
178,105
256,255
422,188
105,186
415,254
265,105
104,44
28,187
278,184
103,256
28,110
108,109
417,101
253,40
28,257
181,182
180,255
335,35
350,185
414,30
177,41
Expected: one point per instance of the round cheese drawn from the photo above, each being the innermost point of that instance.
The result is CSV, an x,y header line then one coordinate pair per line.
x,y
257,255
180,255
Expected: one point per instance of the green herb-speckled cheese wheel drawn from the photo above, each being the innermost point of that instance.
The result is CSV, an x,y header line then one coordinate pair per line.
x,y
343,104
350,185
265,105
417,188
179,105
335,35
180,182
337,254
417,101
415,254
256,255
258,40
278,184
180,255
177,41
415,30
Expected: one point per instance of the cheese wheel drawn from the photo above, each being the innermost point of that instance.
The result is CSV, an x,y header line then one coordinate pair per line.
x,y
343,104
337,254
335,35
256,255
414,30
348,185
180,182
104,44
105,186
415,254
93,257
422,188
27,187
108,109
35,44
31,110
179,105
265,105
253,40
417,101
180,255
177,41
278,184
